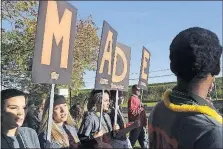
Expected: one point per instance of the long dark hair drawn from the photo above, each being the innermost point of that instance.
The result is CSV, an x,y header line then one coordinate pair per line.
x,y
113,97
76,112
95,100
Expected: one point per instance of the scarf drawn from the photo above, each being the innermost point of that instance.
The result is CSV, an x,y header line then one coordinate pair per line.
x,y
190,108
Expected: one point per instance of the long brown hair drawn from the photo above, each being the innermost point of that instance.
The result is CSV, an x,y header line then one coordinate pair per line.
x,y
56,133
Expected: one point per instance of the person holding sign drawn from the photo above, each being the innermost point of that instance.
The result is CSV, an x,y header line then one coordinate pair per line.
x,y
136,111
119,139
89,133
185,118
63,134
13,111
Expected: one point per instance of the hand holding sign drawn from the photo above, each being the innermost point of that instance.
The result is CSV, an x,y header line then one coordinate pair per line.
x,y
116,127
99,134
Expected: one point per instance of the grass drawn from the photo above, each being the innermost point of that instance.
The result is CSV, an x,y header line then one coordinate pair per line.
x,y
137,144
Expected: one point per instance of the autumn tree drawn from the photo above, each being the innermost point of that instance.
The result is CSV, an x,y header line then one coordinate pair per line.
x,y
18,38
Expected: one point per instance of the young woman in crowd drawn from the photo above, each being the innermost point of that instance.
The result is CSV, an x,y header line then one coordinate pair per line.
x,y
40,109
89,133
76,113
13,111
119,139
63,134
31,119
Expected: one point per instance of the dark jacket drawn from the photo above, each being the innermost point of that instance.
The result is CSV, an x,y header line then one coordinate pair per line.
x,y
184,130
134,110
32,120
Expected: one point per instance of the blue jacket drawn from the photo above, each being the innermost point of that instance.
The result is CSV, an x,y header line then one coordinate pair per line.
x,y
27,138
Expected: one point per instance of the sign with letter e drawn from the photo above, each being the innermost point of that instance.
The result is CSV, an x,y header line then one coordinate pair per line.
x,y
105,57
54,50
144,71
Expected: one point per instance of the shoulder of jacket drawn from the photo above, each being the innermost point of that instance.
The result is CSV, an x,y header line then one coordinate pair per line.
x,y
27,130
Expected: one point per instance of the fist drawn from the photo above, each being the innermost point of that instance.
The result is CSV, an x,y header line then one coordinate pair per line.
x,y
116,127
99,134
128,124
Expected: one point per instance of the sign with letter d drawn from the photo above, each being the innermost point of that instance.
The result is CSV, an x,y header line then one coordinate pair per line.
x,y
121,68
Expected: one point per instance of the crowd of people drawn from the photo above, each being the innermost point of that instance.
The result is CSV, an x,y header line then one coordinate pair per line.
x,y
184,118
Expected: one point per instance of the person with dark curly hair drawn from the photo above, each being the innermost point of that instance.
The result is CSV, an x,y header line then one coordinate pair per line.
x,y
185,118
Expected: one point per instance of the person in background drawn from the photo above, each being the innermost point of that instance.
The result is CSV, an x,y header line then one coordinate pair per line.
x,y
89,133
31,119
76,112
120,139
63,133
185,118
136,111
40,110
13,111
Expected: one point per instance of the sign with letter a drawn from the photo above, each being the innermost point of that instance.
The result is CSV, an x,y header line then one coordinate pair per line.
x,y
121,68
144,71
54,50
106,57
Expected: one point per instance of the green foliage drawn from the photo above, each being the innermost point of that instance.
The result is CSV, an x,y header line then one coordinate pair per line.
x,y
153,94
219,87
18,46
17,52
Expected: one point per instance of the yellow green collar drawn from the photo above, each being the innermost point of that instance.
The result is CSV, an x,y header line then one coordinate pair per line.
x,y
98,114
190,108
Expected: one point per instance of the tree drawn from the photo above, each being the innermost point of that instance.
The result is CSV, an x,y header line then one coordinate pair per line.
x,y
18,45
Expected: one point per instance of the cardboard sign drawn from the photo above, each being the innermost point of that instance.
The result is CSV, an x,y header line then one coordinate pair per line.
x,y
121,68
54,50
106,57
144,71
